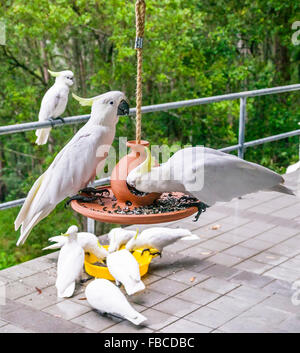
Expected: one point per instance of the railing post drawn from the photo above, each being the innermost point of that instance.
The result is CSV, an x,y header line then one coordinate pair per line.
x,y
242,123
91,225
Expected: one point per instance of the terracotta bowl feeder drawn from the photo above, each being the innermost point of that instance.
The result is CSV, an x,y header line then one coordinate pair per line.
x,y
125,206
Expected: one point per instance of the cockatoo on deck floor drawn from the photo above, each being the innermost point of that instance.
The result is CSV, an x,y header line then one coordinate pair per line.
x,y
206,174
106,298
77,163
88,241
118,237
69,264
158,238
125,269
54,102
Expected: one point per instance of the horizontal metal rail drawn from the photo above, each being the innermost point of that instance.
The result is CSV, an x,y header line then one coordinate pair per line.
x,y
241,146
10,129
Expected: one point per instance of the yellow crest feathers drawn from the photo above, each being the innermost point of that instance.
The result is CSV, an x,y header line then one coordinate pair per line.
x,y
83,101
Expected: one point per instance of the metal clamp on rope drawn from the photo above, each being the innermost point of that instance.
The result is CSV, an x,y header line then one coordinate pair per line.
x,y
138,43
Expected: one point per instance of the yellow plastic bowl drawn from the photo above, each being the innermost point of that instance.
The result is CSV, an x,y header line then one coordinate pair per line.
x,y
102,271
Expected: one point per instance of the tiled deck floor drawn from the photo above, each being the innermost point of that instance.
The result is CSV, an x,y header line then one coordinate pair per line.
x,y
236,278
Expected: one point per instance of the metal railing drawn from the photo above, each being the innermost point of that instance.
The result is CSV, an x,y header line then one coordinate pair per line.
x,y
240,147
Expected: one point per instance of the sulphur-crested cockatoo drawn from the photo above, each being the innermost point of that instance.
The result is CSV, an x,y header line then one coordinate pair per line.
x,y
54,102
206,174
69,264
106,298
77,163
118,237
158,238
88,241
125,269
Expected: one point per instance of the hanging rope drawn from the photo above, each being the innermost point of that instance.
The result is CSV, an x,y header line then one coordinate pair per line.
x,y
140,10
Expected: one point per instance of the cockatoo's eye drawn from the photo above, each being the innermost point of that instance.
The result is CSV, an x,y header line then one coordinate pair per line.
x,y
111,102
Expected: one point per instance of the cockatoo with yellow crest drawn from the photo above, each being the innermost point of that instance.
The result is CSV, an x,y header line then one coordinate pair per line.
x,y
206,174
77,164
54,102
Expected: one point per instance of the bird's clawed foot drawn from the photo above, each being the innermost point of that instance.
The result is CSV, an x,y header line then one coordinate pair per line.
x,y
58,118
89,191
93,191
151,253
81,199
201,208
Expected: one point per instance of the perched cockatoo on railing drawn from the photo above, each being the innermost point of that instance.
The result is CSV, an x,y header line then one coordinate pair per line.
x,y
54,102
77,164
208,175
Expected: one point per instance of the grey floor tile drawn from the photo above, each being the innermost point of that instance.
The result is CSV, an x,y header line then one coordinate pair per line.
x,y
250,295
94,321
176,307
241,251
210,317
198,296
67,309
251,279
217,285
185,326
156,320
168,286
9,328
225,259
148,298
253,266
187,277
229,304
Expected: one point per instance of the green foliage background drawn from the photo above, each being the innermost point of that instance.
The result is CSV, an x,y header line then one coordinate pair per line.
x,y
192,49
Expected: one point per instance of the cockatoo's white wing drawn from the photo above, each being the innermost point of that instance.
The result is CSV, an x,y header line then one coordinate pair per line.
x,y
72,169
125,269
226,176
105,297
69,268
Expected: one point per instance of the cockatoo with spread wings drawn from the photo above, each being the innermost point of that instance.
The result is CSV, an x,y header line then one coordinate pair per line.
x,y
206,174
77,164
54,102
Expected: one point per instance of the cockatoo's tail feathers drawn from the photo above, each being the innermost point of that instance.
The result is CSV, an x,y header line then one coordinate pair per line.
x,y
54,73
137,287
191,237
68,292
30,197
138,319
84,101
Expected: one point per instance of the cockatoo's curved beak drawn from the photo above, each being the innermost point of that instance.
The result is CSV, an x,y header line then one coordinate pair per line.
x,y
123,108
53,73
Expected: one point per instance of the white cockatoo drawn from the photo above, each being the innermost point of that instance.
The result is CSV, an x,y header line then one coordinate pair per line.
x,y
69,265
88,241
158,238
206,174
118,237
107,298
54,102
77,164
125,269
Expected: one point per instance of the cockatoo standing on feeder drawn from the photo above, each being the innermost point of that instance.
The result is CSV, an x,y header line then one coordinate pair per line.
x,y
77,164
88,241
206,174
106,298
125,269
69,264
54,102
